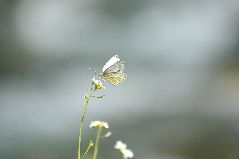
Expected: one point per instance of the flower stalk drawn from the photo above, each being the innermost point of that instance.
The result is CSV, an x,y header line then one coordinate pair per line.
x,y
97,141
95,85
86,101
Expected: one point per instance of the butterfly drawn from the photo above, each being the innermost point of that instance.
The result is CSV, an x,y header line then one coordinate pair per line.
x,y
113,71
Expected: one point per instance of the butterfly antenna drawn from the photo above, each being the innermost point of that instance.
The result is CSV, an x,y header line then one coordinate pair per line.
x,y
96,73
93,72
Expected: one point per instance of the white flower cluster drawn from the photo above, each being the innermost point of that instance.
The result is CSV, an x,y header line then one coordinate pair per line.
x,y
122,147
98,84
99,124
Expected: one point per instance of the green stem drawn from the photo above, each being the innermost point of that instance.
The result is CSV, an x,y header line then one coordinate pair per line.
x,y
86,101
97,141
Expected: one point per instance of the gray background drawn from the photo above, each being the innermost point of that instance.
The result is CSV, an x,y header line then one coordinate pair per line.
x,y
180,100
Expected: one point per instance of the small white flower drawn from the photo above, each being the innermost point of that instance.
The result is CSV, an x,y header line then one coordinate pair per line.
x,y
122,147
98,84
127,153
99,124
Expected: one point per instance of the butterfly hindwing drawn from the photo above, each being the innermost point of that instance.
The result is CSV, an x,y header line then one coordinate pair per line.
x,y
114,78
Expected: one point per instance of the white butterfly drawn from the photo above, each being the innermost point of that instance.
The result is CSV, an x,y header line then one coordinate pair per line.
x,y
113,71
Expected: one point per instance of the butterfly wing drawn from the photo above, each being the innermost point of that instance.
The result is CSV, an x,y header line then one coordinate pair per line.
x,y
111,62
113,71
114,78
117,67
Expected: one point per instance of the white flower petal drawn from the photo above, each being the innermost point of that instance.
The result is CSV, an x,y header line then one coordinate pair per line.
x,y
98,84
120,145
101,124
127,153
94,123
105,125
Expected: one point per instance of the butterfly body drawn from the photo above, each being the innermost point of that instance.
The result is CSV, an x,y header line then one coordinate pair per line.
x,y
113,71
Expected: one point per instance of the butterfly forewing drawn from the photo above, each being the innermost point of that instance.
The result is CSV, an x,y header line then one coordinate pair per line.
x,y
111,62
116,67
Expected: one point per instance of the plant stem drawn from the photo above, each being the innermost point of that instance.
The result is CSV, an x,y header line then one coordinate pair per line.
x,y
97,141
86,101
88,148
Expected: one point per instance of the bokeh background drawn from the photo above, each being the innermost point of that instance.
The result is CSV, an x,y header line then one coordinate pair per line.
x,y
181,98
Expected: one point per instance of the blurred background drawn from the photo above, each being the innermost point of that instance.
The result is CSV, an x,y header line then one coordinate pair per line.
x,y
181,98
